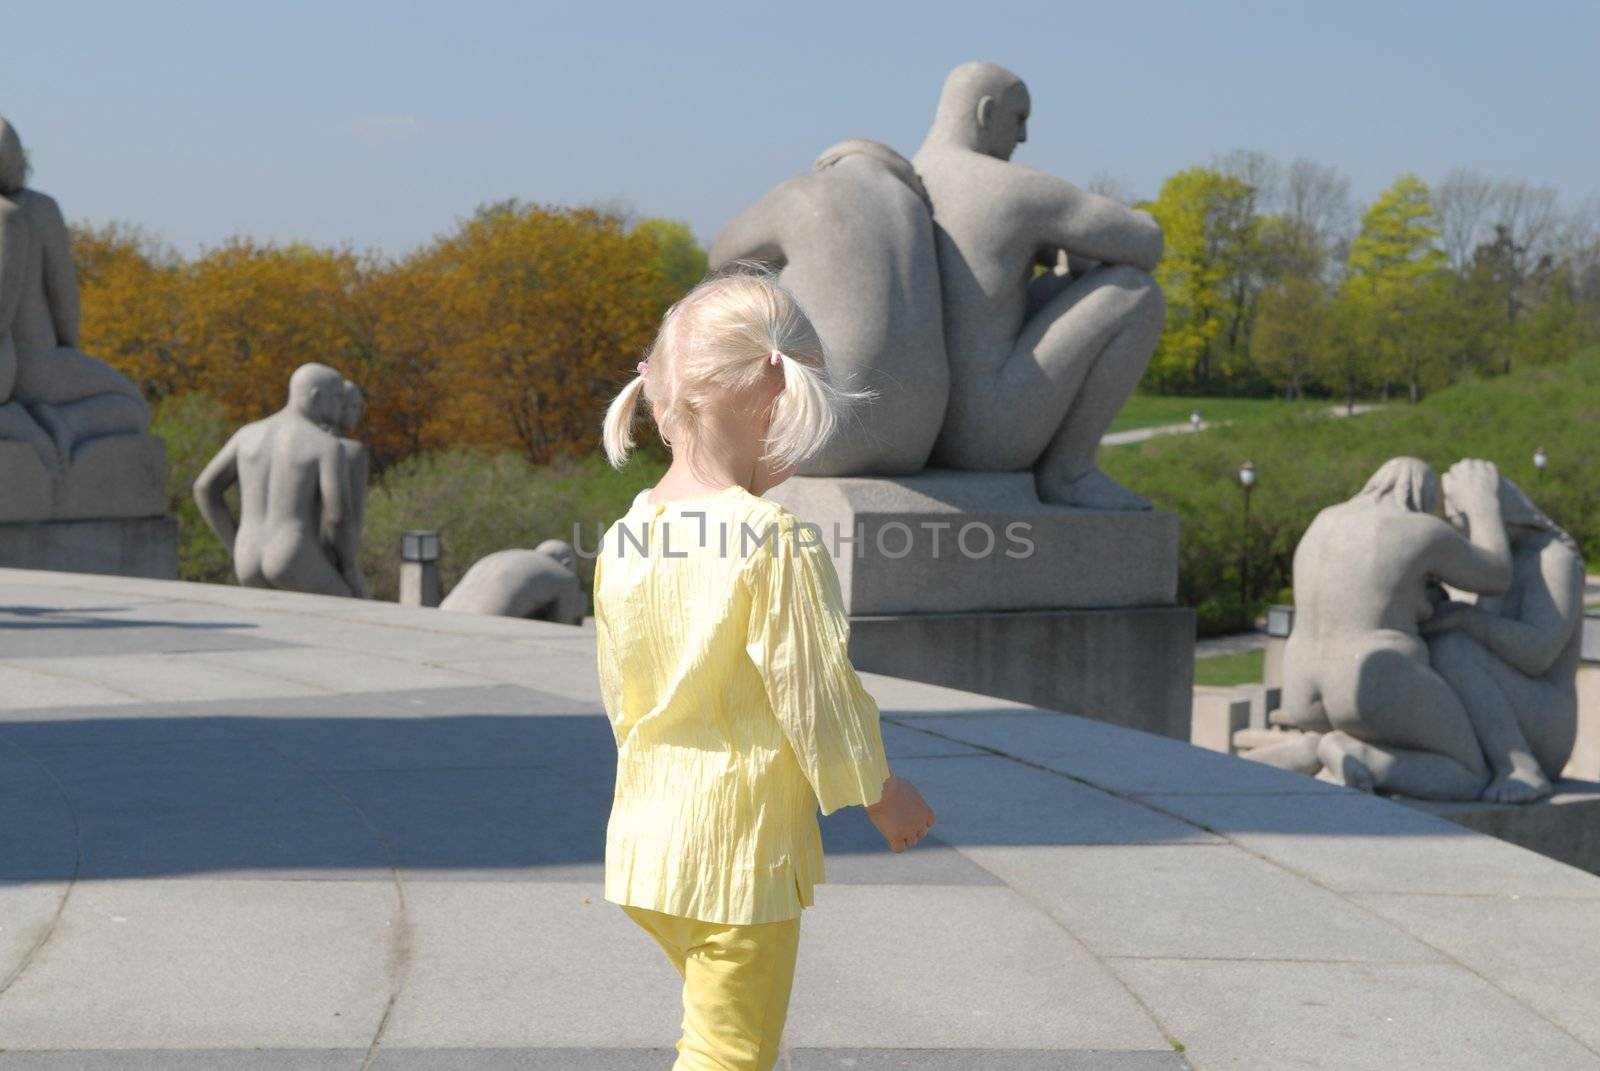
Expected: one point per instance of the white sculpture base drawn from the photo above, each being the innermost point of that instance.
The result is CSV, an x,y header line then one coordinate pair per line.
x,y
1080,617
118,476
125,546
946,540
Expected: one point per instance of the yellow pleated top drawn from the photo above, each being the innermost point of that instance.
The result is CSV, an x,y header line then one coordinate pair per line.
x,y
724,669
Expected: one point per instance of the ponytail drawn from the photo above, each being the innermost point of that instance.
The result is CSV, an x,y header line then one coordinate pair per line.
x,y
617,430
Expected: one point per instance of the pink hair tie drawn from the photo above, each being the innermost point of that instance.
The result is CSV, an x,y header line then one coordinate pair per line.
x,y
641,367
776,358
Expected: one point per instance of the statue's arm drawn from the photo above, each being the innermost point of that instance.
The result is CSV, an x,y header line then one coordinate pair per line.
x,y
221,473
1550,610
1088,226
754,235
60,274
1481,564
347,535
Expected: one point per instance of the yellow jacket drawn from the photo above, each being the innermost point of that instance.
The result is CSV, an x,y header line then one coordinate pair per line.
x,y
724,668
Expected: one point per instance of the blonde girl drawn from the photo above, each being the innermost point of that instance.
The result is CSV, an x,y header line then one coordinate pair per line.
x,y
723,658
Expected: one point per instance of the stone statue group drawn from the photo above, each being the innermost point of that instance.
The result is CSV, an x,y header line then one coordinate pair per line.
x,y
1436,640
1002,315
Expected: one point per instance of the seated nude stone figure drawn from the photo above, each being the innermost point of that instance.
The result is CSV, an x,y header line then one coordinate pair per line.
x,y
854,240
1356,664
51,395
1513,658
1037,370
541,583
296,499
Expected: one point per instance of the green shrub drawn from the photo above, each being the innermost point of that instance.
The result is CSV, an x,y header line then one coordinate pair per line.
x,y
481,503
195,428
1307,460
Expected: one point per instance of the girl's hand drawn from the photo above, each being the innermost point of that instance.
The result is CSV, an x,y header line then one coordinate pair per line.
x,y
902,815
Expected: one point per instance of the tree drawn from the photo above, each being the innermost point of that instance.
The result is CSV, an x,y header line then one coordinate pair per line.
x,y
1390,273
555,306
130,287
679,258
252,314
1208,233
1291,329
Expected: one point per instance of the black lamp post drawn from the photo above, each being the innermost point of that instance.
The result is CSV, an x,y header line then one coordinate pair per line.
x,y
1247,482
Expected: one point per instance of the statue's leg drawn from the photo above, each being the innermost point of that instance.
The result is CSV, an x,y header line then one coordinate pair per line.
x,y
1103,338
77,398
1401,727
1487,690
297,562
16,425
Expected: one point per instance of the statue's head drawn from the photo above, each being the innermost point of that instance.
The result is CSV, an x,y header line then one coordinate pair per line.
x,y
13,161
561,551
897,165
349,408
1406,483
1523,519
984,107
316,392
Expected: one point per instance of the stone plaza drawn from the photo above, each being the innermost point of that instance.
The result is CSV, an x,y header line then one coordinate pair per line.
x,y
257,829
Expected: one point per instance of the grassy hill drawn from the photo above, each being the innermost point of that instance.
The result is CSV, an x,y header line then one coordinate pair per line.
x,y
1306,460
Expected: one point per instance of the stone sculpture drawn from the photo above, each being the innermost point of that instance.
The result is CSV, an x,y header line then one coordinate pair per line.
x,y
1513,658
1366,574
72,428
1037,370
854,240
541,583
299,506
348,554
976,367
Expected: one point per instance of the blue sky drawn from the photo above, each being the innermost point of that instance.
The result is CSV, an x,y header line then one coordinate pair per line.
x,y
381,124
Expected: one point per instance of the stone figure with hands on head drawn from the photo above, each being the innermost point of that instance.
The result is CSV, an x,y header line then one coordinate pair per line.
x,y
1356,665
299,511
1513,658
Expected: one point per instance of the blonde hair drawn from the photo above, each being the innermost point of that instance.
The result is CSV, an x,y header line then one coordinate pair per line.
x,y
721,336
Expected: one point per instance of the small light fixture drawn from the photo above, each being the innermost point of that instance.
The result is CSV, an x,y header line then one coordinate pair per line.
x,y
1280,621
1194,420
1247,475
419,546
1541,460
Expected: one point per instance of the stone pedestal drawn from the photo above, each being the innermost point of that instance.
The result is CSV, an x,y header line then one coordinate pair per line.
x,y
1133,667
968,580
127,546
1566,826
102,515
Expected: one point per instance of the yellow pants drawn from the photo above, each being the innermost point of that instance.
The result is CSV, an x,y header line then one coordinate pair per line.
x,y
736,982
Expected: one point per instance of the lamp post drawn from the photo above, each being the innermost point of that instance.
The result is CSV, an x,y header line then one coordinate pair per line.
x,y
1247,482
419,569
1540,461
1194,420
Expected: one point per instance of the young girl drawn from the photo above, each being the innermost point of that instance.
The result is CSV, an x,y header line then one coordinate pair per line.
x,y
722,643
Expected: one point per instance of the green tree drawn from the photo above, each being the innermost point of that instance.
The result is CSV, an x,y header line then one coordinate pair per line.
x,y
1390,279
1291,328
1209,230
680,259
